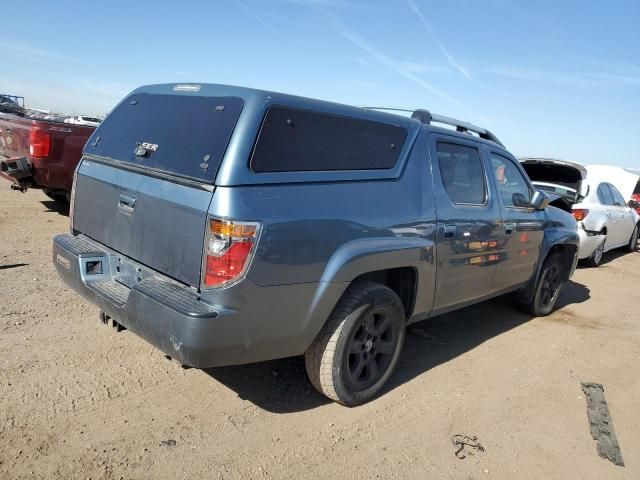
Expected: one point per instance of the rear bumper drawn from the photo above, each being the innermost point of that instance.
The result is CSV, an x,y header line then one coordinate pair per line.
x,y
18,171
588,243
178,321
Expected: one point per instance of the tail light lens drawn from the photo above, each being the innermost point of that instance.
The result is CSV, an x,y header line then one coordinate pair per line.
x,y
39,143
580,213
229,249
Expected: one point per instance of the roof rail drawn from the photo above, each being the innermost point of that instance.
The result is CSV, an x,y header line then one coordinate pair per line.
x,y
426,117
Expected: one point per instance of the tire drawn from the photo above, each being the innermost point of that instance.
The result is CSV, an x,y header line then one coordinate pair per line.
x,y
359,346
596,257
547,288
633,241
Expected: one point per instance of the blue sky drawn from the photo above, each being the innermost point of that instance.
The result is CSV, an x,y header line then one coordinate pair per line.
x,y
549,78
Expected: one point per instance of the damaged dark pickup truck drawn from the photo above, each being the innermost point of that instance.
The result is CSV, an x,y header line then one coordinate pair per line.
x,y
37,153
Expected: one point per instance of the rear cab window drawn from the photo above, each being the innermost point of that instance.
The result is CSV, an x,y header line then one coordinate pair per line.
x,y
299,140
179,135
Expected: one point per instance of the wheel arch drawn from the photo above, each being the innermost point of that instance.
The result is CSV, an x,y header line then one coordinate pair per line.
x,y
400,263
562,241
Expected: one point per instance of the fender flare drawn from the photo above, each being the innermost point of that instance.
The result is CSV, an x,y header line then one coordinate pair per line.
x,y
361,256
356,258
552,238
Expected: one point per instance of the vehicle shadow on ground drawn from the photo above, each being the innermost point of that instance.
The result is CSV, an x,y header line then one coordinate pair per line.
x,y
281,386
61,208
615,254
611,256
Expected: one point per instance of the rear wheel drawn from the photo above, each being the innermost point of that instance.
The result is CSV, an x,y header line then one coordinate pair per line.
x,y
548,287
358,348
633,241
596,257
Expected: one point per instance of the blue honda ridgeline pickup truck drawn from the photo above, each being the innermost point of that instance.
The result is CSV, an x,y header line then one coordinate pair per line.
x,y
227,225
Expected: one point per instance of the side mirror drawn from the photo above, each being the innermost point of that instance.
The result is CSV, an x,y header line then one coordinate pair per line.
x,y
540,200
634,204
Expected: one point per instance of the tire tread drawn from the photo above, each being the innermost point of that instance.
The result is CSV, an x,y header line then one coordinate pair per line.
x,y
320,357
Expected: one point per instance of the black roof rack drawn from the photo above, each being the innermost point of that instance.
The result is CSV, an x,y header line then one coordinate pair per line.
x,y
426,117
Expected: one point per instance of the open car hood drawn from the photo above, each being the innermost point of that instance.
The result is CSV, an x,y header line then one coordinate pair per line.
x,y
557,172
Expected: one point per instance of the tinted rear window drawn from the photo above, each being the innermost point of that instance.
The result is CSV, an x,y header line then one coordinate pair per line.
x,y
301,140
183,135
636,190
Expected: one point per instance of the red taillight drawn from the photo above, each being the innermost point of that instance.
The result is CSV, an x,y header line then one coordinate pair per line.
x,y
228,250
580,213
39,144
228,266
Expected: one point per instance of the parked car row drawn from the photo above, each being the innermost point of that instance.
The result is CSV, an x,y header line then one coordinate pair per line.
x,y
270,225
607,219
228,225
39,153
83,120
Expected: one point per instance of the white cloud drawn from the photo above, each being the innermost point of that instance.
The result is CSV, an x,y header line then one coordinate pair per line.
x,y
255,15
450,58
25,50
391,64
419,67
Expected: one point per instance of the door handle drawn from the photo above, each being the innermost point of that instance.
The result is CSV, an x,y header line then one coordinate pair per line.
x,y
509,227
126,203
449,231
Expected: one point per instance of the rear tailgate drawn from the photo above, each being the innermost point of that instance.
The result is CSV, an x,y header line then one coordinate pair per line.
x,y
14,135
146,181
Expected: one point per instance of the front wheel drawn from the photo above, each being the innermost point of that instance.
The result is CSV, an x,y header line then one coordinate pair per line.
x,y
359,346
633,241
548,287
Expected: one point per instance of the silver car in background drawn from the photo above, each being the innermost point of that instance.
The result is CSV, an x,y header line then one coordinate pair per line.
x,y
606,221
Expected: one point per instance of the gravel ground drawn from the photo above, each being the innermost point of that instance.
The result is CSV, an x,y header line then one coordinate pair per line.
x,y
78,400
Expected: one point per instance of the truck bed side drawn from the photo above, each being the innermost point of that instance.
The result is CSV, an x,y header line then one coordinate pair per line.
x,y
54,171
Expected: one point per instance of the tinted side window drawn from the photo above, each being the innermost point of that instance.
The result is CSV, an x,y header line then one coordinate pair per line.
x,y
604,194
462,174
617,196
302,140
512,185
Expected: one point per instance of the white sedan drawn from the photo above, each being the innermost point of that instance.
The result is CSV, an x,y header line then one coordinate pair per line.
x,y
605,222
83,120
605,219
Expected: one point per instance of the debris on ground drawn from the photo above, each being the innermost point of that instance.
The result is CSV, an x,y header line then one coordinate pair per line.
x,y
601,424
462,441
168,443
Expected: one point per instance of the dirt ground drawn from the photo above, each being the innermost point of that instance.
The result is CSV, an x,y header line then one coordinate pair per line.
x,y
78,400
